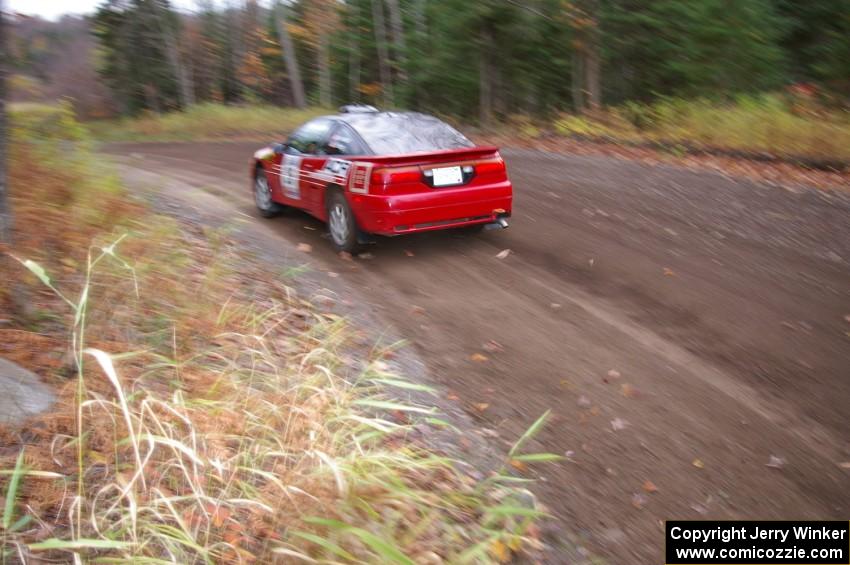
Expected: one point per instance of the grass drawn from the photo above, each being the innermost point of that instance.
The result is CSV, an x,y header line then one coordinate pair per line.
x,y
207,121
206,412
787,127
758,124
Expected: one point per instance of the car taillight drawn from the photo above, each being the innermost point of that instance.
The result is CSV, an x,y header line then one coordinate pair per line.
x,y
490,167
385,177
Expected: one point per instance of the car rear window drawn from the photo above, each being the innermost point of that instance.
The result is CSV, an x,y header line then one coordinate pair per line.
x,y
392,133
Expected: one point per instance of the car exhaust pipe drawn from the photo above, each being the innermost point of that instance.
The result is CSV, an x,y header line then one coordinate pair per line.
x,y
499,224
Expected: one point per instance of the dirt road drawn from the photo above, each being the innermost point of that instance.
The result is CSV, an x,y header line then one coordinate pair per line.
x,y
689,332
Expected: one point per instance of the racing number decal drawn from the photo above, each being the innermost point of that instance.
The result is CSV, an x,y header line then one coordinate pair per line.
x,y
290,173
337,168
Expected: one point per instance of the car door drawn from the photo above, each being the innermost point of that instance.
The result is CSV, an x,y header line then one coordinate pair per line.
x,y
303,158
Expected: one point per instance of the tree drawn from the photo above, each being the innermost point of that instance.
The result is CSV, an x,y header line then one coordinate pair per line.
x,y
383,55
164,20
691,47
583,16
290,58
321,20
137,64
5,210
817,41
399,43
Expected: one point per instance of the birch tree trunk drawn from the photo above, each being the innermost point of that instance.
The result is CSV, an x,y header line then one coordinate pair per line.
x,y
290,58
383,56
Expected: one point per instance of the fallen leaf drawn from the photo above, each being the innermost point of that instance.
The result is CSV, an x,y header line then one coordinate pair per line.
x,y
554,306
569,453
333,275
453,396
583,401
366,256
844,464
847,318
614,374
418,310
639,500
699,508
628,390
775,462
502,254
305,247
500,551
515,544
618,424
311,228
493,347
519,465
478,358
345,255
219,516
669,272
698,463
649,486
409,253
481,406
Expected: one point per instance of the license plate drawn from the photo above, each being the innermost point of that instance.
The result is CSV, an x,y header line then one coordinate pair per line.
x,y
445,176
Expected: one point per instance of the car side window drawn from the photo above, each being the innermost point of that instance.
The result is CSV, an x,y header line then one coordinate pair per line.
x,y
343,141
310,138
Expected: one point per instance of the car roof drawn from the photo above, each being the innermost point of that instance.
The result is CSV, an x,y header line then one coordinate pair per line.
x,y
401,132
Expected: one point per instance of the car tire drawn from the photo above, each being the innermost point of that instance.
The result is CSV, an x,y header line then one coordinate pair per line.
x,y
267,207
342,227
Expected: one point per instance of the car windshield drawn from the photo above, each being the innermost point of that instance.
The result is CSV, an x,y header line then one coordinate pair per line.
x,y
392,133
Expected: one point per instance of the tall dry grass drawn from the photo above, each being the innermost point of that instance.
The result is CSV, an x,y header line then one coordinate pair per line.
x,y
207,121
765,124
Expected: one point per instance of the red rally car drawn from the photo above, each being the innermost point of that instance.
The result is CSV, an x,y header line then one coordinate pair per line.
x,y
388,173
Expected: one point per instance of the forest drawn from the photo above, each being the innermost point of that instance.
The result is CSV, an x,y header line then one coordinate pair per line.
x,y
481,61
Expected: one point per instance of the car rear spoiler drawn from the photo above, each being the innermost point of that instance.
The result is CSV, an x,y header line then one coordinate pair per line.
x,y
448,155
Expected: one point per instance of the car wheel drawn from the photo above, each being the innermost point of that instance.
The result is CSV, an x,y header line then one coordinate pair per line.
x,y
341,224
263,196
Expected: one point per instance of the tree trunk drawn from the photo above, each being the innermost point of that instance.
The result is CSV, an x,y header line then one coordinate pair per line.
x,y
5,210
397,29
383,56
592,79
354,63
419,19
172,52
587,87
578,79
290,59
485,77
324,71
